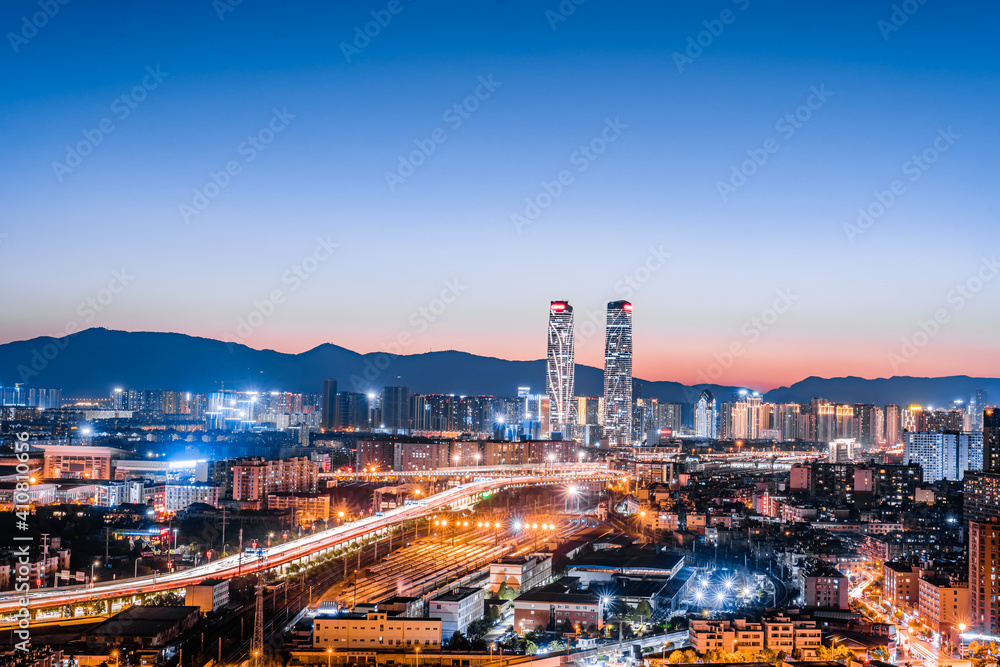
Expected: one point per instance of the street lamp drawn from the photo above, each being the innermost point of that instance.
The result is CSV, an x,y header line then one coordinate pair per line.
x,y
114,654
329,656
417,662
135,570
92,566
175,540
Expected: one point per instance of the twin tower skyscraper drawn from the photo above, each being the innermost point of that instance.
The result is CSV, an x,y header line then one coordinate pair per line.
x,y
560,371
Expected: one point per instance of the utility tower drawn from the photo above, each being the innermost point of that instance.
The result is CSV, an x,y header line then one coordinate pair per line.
x,y
257,645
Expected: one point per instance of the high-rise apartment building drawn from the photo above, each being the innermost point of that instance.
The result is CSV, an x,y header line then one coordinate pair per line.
x,y
991,440
984,536
893,425
328,418
977,405
560,367
351,411
944,455
254,479
396,408
618,373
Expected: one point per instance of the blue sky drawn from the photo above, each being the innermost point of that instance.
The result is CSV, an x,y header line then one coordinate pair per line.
x,y
858,298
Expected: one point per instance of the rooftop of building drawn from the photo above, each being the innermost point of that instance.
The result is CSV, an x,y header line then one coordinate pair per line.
x,y
565,589
139,621
211,582
629,558
901,568
325,614
458,594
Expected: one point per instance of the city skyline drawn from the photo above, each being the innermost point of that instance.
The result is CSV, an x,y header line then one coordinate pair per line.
x,y
656,135
273,385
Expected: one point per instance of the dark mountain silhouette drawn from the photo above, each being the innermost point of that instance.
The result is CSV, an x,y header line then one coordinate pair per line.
x,y
92,362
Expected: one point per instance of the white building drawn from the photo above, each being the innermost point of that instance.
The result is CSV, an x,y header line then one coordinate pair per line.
x,y
210,595
944,455
457,609
172,498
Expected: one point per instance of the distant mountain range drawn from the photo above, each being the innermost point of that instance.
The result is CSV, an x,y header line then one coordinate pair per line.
x,y
92,362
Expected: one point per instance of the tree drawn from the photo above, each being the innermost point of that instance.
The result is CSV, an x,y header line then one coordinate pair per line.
x,y
643,609
458,642
676,657
505,592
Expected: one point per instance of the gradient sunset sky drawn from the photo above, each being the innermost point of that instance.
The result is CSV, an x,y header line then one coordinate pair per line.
x,y
890,91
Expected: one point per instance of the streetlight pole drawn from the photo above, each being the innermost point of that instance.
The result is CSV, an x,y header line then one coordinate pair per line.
x,y
135,570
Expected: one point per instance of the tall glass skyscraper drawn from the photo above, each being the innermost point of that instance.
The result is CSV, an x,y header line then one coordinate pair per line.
x,y
618,373
560,367
704,416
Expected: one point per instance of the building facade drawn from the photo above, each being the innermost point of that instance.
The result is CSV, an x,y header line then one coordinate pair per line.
x,y
375,631
560,367
618,373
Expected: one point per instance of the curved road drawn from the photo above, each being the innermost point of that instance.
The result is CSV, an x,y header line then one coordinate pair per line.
x,y
284,553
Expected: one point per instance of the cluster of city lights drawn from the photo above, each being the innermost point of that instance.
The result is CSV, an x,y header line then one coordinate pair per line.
x,y
519,525
727,591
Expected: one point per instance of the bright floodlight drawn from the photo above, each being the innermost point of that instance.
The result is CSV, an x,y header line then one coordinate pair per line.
x,y
552,457
573,490
518,525
698,596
